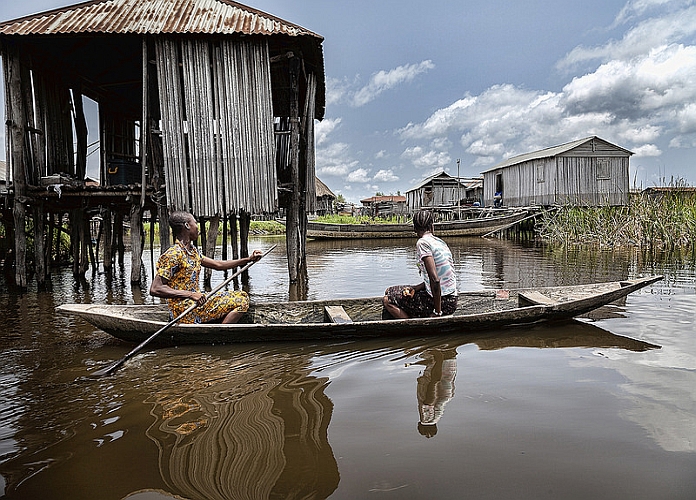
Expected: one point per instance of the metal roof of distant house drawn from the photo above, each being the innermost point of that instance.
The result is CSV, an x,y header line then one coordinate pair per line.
x,y
379,199
154,17
428,180
550,152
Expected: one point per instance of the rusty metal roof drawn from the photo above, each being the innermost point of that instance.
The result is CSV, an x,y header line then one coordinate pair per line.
x,y
154,17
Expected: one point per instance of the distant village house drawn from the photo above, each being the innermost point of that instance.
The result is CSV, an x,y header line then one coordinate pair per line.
x,y
589,172
384,206
443,190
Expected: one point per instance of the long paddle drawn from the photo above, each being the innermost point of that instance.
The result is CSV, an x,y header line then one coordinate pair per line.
x,y
108,370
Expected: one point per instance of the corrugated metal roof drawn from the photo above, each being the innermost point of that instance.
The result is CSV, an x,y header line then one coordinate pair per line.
x,y
154,17
548,153
428,180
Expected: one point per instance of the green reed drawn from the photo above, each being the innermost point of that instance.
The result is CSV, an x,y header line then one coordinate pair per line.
x,y
665,221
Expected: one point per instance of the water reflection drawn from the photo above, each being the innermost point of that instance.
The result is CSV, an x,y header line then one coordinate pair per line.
x,y
435,387
258,430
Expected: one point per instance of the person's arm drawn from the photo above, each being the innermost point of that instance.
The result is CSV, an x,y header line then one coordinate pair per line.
x,y
224,265
160,288
434,279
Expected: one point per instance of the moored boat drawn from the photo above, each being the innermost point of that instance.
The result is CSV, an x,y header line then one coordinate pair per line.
x,y
476,226
359,318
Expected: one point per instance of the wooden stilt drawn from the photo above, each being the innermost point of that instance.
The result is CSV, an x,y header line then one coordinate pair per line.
x,y
136,234
16,118
211,243
39,246
234,234
108,242
292,222
118,246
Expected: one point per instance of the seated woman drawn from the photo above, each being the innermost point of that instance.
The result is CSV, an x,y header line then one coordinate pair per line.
x,y
178,273
437,294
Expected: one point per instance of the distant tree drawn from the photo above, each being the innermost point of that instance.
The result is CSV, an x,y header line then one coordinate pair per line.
x,y
379,193
340,198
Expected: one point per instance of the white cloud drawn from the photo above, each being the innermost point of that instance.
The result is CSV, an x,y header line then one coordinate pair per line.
x,y
323,128
359,175
647,150
385,80
420,158
385,176
654,32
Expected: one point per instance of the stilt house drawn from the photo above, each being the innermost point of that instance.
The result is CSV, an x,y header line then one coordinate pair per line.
x,y
589,171
441,190
206,106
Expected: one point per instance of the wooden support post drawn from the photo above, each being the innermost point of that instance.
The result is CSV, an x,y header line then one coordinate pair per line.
x,y
39,246
244,222
292,222
211,241
108,242
136,234
234,234
16,120
164,229
80,133
224,237
76,230
85,237
118,247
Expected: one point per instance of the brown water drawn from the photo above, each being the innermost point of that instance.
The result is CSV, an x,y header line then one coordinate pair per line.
x,y
601,409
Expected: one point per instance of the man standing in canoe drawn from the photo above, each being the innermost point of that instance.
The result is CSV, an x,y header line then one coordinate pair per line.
x,y
178,273
437,294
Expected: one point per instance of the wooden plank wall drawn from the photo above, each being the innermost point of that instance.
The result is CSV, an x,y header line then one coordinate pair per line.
x,y
217,125
570,178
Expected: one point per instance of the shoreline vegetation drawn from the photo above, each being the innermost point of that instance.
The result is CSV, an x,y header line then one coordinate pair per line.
x,y
662,221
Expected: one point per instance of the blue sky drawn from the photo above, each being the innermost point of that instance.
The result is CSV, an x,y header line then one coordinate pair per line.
x,y
414,86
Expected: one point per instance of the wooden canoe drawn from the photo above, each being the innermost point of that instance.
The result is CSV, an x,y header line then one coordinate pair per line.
x,y
359,318
478,226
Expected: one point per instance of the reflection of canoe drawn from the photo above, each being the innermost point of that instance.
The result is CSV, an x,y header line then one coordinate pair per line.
x,y
467,227
349,318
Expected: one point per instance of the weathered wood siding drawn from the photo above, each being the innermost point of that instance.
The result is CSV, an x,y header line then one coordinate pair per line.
x,y
433,195
217,125
594,174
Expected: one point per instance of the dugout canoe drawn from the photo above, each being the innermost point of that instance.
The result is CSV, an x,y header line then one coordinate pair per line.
x,y
478,226
359,318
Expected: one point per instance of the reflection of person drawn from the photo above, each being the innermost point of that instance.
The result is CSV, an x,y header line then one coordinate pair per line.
x,y
437,294
435,388
178,272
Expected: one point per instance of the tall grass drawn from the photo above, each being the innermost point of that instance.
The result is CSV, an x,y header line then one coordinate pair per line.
x,y
665,221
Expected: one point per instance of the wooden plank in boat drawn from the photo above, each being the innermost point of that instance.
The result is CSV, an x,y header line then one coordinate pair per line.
x,y
336,314
536,298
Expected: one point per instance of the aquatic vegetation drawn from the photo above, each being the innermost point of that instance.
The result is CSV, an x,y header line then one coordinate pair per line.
x,y
662,219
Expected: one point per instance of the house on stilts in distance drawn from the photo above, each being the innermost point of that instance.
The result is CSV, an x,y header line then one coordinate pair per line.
x,y
206,106
587,172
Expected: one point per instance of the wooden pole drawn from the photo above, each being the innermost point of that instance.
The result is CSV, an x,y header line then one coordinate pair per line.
x,y
292,223
16,119
108,242
211,241
144,126
75,231
39,246
80,133
136,234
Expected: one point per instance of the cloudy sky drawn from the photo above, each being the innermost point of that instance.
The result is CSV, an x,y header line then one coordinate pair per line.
x,y
412,87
